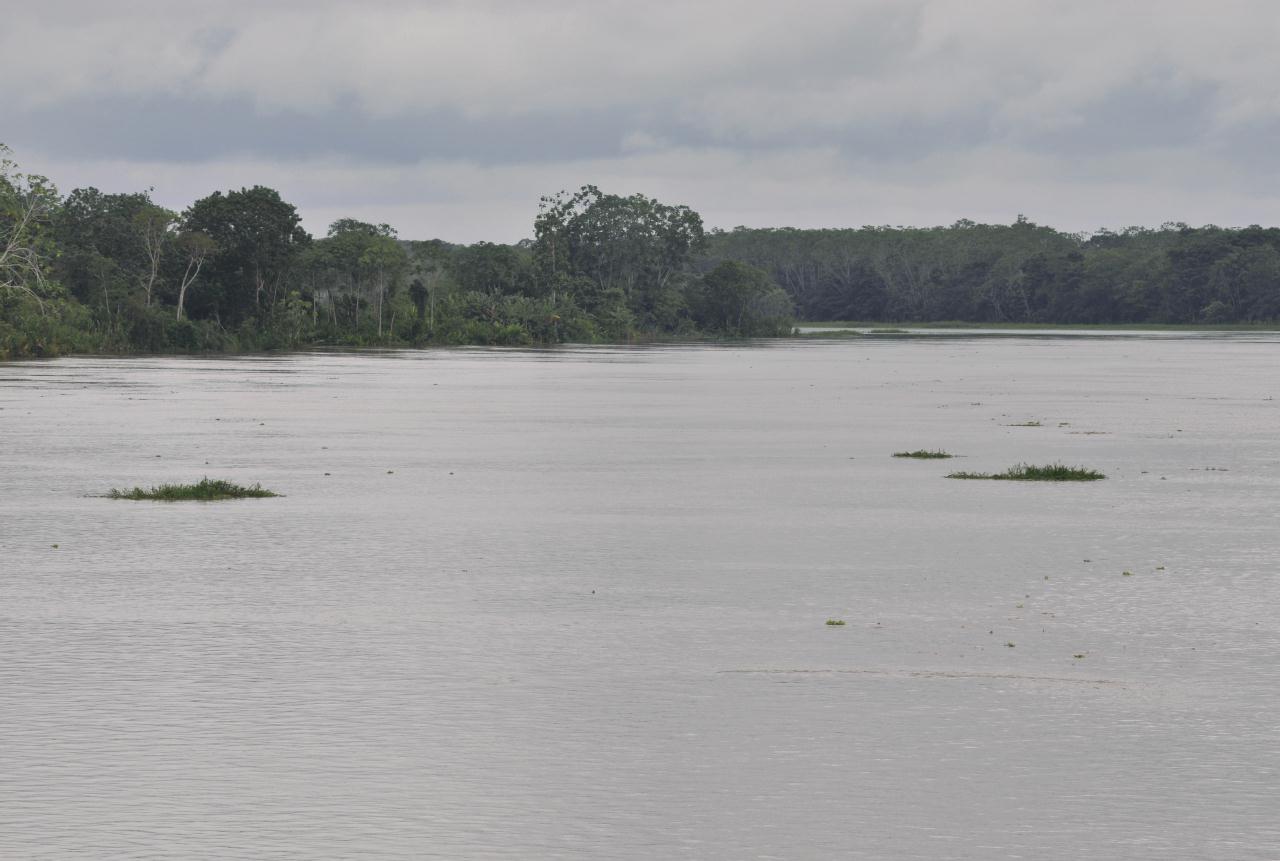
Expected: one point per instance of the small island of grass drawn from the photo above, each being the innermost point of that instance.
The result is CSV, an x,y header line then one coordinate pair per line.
x,y
1027,472
923,454
205,490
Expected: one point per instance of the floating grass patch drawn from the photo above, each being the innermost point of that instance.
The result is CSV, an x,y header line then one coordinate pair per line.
x,y
923,454
1027,472
205,490
835,623
1030,424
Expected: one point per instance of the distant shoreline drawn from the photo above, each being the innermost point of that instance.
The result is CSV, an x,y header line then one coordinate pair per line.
x,y
1083,327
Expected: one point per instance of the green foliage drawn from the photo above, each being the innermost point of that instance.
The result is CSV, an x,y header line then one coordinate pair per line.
x,y
835,623
205,490
922,454
1018,273
1027,472
236,271
594,244
740,299
27,204
257,236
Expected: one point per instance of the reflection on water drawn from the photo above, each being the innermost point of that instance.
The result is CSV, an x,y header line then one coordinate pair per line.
x,y
571,603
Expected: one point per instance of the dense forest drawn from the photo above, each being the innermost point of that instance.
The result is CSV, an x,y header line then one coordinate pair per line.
x,y
97,272
118,273
1019,273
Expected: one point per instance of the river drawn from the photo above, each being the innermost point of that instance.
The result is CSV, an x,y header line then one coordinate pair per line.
x,y
571,603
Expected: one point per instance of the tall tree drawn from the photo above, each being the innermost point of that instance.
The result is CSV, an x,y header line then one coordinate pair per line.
x,y
155,227
196,248
258,236
26,202
633,244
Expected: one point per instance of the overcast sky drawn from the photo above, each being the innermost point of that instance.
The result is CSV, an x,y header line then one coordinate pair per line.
x,y
450,119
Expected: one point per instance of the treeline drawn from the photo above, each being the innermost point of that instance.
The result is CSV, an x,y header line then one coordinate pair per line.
x,y
236,271
91,271
1018,273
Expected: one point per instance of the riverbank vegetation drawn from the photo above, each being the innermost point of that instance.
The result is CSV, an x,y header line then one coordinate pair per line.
x,y
1020,273
204,490
91,271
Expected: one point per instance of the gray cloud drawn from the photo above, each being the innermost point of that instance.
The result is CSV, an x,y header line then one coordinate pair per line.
x,y
450,118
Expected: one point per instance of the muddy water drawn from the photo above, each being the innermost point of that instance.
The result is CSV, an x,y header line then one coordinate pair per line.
x,y
571,604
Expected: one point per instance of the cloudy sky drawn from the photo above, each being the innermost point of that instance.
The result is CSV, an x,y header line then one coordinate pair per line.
x,y
451,119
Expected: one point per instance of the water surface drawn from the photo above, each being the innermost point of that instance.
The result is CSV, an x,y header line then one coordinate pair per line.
x,y
570,604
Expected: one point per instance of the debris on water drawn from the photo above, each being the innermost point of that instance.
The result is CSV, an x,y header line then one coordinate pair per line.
x,y
835,623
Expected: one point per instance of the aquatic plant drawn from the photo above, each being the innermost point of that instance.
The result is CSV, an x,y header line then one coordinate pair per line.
x,y
1027,472
1030,424
206,489
835,622
923,454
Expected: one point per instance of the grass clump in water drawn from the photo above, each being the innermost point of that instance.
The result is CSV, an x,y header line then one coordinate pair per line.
x,y
835,623
205,490
922,454
1027,472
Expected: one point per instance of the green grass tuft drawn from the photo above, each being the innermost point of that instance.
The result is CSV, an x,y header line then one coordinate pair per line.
x,y
205,489
835,623
1030,424
1027,472
922,454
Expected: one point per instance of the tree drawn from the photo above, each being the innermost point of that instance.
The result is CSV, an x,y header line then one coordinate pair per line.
x,y
743,300
104,258
634,244
26,202
488,268
196,247
154,225
359,261
258,236
429,266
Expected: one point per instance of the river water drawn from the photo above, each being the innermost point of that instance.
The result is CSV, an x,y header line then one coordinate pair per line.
x,y
571,603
